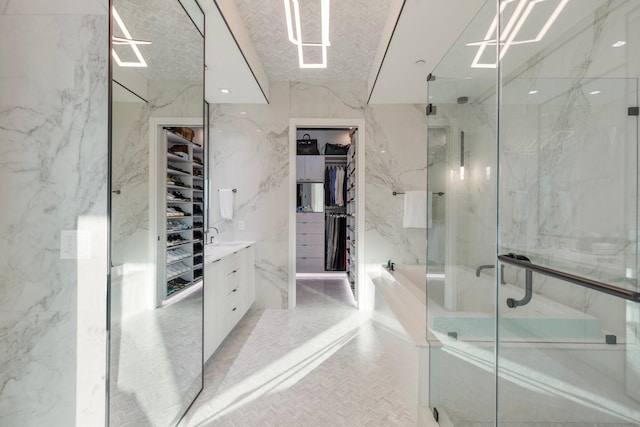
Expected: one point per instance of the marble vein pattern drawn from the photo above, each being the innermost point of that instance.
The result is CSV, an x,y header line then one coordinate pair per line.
x,y
53,164
396,159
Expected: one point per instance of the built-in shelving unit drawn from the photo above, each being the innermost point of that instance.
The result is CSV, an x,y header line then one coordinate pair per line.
x,y
352,269
183,207
334,210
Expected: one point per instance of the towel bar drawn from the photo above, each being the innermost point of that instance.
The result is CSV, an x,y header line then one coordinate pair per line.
x,y
395,193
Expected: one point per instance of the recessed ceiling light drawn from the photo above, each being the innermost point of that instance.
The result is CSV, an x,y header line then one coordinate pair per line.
x,y
533,92
619,43
244,113
420,62
225,90
594,92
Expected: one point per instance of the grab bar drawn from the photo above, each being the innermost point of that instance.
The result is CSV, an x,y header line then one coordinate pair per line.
x,y
616,291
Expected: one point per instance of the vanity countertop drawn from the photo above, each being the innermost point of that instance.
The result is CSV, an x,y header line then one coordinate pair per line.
x,y
218,250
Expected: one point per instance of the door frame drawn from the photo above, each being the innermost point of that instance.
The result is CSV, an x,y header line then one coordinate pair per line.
x,y
294,124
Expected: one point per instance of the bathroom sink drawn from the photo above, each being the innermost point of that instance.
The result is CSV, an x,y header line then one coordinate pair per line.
x,y
223,244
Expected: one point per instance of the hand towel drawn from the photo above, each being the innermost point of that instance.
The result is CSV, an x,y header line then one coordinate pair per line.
x,y
226,203
415,209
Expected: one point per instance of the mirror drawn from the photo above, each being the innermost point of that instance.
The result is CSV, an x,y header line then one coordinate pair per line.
x,y
155,347
310,197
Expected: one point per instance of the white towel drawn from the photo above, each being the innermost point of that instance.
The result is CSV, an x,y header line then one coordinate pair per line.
x,y
415,209
226,203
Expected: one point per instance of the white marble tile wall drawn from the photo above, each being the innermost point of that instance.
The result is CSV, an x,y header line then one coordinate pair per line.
x,y
249,153
53,170
396,160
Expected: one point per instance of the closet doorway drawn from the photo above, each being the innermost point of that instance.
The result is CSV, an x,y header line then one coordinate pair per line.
x,y
326,202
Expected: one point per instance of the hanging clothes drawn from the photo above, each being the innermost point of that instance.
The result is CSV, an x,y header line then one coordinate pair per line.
x,y
335,186
336,242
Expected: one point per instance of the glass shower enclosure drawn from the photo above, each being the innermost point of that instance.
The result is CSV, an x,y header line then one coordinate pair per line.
x,y
533,302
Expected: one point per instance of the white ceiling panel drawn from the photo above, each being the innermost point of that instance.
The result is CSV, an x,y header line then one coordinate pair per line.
x,y
355,30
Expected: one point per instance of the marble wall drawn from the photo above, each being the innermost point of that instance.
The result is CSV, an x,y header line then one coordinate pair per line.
x,y
250,153
53,169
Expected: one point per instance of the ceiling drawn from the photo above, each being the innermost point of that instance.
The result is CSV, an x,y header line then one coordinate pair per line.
x,y
175,39
355,30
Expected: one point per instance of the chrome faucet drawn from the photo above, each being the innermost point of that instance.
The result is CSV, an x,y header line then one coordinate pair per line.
x,y
213,237
484,266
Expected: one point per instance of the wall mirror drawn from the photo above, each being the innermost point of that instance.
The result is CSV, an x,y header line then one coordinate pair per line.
x,y
310,196
155,346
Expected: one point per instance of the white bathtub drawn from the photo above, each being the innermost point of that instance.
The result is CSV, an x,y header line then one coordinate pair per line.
x,y
470,313
546,358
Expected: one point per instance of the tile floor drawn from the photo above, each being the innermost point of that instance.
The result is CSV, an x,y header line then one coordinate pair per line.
x,y
320,364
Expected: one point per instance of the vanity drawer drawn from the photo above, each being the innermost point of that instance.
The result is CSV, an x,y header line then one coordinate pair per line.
x,y
310,264
232,263
233,282
310,251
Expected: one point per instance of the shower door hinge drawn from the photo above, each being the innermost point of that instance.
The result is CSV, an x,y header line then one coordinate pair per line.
x,y
431,110
633,111
431,77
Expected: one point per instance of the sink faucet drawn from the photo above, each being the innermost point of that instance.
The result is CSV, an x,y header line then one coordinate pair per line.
x,y
213,237
391,265
484,266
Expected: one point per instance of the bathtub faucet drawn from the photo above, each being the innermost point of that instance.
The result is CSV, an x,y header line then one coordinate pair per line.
x,y
482,267
390,265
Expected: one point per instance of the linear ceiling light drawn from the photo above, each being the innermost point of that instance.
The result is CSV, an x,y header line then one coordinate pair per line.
x,y
295,35
126,40
512,28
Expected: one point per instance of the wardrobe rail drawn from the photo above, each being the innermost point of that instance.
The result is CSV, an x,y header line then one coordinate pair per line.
x,y
572,278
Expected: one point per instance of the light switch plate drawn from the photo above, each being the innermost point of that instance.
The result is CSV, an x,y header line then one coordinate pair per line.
x,y
240,225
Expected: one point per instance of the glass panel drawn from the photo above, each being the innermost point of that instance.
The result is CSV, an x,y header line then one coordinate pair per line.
x,y
461,233
155,352
568,197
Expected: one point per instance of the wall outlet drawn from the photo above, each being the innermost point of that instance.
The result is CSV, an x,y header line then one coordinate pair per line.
x,y
75,244
68,244
240,225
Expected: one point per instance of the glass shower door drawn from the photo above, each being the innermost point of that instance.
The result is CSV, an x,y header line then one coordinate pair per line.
x,y
461,234
568,218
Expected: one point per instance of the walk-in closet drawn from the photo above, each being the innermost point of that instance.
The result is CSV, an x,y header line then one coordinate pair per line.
x,y
325,201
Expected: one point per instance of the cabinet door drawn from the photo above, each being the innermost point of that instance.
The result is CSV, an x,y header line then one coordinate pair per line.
x,y
314,168
213,276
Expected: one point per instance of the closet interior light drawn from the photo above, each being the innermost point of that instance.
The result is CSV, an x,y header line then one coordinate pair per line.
x,y
510,31
295,35
126,40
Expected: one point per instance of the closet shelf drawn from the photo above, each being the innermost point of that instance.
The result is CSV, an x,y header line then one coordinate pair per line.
x,y
177,173
177,159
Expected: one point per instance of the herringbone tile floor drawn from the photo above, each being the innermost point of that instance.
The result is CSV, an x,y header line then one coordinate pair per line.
x,y
320,364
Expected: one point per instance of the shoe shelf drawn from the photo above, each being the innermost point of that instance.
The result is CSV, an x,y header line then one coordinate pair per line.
x,y
184,170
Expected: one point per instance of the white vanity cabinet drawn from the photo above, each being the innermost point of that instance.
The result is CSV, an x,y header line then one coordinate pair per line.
x,y
310,168
229,291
